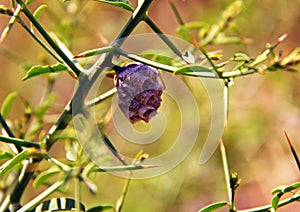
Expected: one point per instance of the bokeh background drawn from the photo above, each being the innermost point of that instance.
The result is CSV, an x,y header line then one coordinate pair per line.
x,y
261,107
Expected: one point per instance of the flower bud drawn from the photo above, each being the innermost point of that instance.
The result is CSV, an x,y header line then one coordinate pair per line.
x,y
139,91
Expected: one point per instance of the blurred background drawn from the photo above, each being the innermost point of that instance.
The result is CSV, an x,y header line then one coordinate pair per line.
x,y
261,107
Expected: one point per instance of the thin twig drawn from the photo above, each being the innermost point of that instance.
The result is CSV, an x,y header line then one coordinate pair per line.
x,y
19,142
225,169
47,37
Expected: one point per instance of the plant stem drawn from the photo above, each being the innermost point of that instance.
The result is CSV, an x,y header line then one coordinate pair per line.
x,y
162,36
19,142
293,150
268,207
121,200
9,131
238,73
147,62
101,98
37,39
164,67
47,37
177,14
44,194
11,22
225,169
134,20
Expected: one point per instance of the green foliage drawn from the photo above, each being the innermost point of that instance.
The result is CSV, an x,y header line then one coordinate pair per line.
x,y
5,155
8,165
213,207
7,103
40,70
44,176
125,4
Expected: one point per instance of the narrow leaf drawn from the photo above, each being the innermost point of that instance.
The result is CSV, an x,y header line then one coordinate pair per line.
x,y
7,103
213,207
100,208
125,4
5,155
183,32
39,70
190,69
37,13
240,57
195,25
94,52
44,176
14,161
275,201
278,189
39,10
233,10
291,187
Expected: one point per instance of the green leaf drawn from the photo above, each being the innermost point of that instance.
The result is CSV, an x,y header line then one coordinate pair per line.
x,y
240,57
125,4
37,13
7,103
183,32
100,208
5,155
197,70
278,189
221,39
29,2
195,25
39,70
46,104
275,201
213,207
44,176
14,161
233,10
291,187
161,58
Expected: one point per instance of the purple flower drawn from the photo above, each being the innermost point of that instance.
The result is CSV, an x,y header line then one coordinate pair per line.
x,y
139,91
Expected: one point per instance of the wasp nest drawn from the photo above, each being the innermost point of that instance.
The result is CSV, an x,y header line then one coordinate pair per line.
x,y
139,91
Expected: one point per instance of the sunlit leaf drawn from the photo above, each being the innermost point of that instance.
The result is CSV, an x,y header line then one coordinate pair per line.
x,y
14,161
183,32
125,4
220,40
160,58
37,13
7,103
240,57
29,2
40,70
44,176
195,25
195,69
213,207
233,10
275,201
